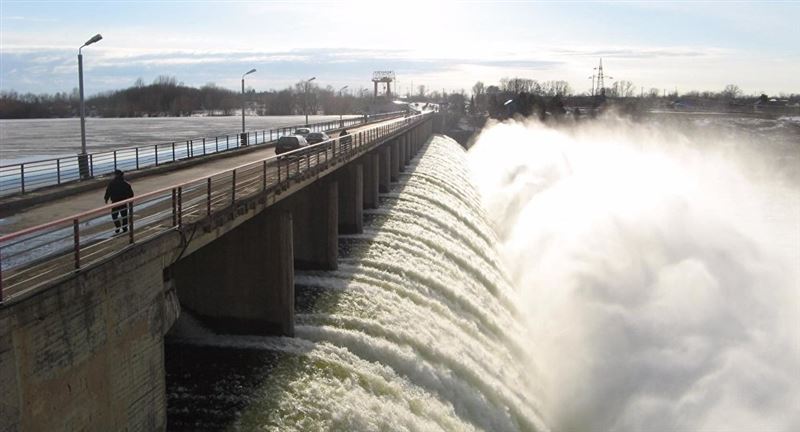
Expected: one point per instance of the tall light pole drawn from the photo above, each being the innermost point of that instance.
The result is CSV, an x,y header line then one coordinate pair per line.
x,y
305,97
83,158
340,111
245,74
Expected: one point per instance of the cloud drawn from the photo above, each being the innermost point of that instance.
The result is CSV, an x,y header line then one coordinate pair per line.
x,y
28,19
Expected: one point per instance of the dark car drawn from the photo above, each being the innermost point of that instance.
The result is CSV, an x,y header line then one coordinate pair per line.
x,y
289,143
317,137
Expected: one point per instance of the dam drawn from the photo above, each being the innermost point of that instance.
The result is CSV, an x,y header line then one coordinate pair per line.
x,y
84,311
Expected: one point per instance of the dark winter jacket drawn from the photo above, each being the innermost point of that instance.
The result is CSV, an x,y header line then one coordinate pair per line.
x,y
118,189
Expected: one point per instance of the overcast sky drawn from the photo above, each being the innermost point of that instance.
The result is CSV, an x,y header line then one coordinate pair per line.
x,y
450,45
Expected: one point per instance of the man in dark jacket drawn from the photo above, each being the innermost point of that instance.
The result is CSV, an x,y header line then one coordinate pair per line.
x,y
344,139
118,190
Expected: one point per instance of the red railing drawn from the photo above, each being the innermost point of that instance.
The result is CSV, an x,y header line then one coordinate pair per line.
x,y
36,256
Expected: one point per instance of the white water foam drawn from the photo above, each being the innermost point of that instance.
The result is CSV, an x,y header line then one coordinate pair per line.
x,y
418,329
659,273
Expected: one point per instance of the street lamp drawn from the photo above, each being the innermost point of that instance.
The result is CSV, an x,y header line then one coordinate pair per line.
x,y
246,73
305,98
83,158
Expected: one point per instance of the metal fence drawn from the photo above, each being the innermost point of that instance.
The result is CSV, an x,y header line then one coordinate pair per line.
x,y
35,256
24,177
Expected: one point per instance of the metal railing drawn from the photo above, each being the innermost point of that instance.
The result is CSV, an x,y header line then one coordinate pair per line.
x,y
20,178
35,256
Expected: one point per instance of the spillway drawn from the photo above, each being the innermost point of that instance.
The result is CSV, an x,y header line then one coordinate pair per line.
x,y
418,329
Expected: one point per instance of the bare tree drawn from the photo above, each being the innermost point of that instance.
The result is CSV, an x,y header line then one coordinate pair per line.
x,y
552,88
623,88
520,85
479,97
732,91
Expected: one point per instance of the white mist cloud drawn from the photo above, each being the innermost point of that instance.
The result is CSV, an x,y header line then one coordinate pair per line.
x,y
660,274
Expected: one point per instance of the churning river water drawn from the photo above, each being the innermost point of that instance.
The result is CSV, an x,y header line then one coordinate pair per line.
x,y
605,276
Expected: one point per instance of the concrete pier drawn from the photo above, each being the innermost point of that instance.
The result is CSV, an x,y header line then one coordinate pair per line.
x,y
243,282
385,168
88,354
351,199
315,226
395,165
401,149
371,164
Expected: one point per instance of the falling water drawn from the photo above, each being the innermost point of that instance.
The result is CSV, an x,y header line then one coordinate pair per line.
x,y
658,266
418,329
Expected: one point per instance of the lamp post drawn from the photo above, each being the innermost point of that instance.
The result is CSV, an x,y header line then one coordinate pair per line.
x,y
83,158
245,74
305,98
341,124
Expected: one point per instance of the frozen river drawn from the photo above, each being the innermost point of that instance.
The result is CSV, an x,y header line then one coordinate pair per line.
x,y
32,139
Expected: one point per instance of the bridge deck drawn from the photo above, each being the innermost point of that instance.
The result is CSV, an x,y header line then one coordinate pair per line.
x,y
84,201
77,231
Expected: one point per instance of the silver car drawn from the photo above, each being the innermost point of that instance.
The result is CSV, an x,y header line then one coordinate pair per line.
x,y
290,142
317,137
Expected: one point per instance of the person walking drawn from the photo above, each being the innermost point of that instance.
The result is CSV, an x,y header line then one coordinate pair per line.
x,y
344,139
119,190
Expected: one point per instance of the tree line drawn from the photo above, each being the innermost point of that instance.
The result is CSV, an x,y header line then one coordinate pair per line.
x,y
165,96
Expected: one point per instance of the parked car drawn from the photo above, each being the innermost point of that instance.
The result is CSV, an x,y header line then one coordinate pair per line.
x,y
317,137
303,131
290,142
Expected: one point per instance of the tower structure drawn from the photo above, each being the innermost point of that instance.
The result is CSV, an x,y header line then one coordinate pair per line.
x,y
600,76
383,77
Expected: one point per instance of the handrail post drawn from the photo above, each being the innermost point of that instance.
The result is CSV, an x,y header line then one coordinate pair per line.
x,y
204,146
58,170
137,158
1,281
22,177
233,187
155,151
130,221
216,144
180,206
174,207
264,178
208,196
115,160
76,243
173,151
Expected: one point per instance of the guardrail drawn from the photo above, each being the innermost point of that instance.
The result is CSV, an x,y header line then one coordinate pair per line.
x,y
21,178
32,257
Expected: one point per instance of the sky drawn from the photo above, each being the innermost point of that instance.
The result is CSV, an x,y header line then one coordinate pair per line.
x,y
443,45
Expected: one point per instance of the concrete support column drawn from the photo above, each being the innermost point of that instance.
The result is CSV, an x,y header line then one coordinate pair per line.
x,y
371,164
395,145
401,148
385,168
409,151
351,199
243,282
315,212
